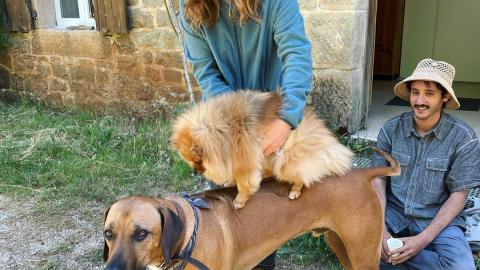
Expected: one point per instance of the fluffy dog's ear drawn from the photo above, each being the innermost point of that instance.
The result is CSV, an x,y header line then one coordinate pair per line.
x,y
175,140
172,231
196,152
105,246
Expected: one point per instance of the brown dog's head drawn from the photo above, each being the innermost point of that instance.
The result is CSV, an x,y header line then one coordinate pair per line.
x,y
139,231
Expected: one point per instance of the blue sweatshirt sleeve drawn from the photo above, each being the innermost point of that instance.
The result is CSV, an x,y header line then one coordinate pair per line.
x,y
199,54
294,51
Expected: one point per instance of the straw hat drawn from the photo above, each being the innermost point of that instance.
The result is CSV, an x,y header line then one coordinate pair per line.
x,y
431,70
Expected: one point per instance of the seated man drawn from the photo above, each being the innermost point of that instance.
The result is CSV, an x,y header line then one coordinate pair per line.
x,y
440,159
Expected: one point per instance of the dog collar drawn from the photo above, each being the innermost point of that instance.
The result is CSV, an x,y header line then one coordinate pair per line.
x,y
185,256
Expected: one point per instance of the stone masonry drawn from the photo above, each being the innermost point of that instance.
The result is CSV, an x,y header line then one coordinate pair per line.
x,y
141,71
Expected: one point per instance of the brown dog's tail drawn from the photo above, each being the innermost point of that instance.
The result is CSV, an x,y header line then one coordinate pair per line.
x,y
393,170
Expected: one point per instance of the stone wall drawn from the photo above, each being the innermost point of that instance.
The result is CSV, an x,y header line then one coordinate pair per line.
x,y
138,72
338,32
142,71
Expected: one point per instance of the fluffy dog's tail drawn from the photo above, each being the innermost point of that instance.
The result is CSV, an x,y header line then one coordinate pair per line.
x,y
393,170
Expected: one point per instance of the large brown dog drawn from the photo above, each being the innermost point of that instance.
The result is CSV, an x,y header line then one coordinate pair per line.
x,y
143,231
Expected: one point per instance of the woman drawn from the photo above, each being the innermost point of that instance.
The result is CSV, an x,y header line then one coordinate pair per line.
x,y
251,44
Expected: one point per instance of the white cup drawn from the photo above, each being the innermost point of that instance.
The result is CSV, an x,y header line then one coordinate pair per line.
x,y
394,243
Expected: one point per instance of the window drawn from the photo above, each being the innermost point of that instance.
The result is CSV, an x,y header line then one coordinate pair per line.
x,y
74,13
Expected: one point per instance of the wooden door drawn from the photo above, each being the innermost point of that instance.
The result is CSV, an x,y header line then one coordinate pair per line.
x,y
388,38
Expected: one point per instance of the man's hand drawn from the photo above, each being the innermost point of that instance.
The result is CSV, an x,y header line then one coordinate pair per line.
x,y
411,246
275,136
385,236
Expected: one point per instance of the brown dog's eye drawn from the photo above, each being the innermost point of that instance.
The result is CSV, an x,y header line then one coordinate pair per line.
x,y
108,234
140,235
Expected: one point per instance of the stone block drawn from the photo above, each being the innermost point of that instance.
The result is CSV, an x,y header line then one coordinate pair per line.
x,y
130,64
70,43
152,3
17,82
307,5
172,92
41,66
169,59
132,2
23,63
146,92
154,74
150,38
50,42
173,75
89,44
125,86
343,4
147,57
57,85
103,72
76,87
21,43
162,18
83,70
124,44
338,39
36,85
6,59
59,67
170,40
333,93
88,99
55,99
139,18
4,78
158,38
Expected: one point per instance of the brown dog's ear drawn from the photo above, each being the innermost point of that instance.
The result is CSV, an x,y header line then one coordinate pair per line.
x,y
172,231
105,246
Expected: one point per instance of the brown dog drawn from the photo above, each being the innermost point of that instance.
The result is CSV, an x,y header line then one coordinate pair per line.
x,y
143,231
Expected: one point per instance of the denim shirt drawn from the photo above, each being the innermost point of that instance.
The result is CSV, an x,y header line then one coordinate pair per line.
x,y
445,160
267,55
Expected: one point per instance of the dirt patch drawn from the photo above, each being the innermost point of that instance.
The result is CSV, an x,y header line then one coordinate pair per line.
x,y
32,240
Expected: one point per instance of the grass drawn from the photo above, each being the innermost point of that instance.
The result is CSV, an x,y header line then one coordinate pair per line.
x,y
73,157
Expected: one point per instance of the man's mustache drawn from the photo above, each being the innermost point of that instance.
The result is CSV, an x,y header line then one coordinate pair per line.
x,y
422,106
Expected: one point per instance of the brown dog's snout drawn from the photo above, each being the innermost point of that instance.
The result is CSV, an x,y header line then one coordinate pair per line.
x,y
118,262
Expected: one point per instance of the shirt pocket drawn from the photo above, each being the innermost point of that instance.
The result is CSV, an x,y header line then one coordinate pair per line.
x,y
436,169
404,161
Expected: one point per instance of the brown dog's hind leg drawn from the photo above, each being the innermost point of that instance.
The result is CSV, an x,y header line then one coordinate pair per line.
x,y
296,190
335,243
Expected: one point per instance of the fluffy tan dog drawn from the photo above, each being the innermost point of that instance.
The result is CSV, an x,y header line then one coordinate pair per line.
x,y
222,138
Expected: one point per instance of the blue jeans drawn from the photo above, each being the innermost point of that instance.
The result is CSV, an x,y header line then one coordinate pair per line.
x,y
450,250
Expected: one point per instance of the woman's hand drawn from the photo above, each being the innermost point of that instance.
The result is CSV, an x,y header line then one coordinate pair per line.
x,y
275,136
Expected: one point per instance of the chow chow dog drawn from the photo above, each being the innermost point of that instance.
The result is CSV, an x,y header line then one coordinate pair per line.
x,y
222,139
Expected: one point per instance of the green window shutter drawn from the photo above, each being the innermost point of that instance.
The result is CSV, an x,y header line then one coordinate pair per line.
x,y
19,14
111,16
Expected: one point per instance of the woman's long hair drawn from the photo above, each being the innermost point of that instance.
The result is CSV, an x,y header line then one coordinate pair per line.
x,y
206,12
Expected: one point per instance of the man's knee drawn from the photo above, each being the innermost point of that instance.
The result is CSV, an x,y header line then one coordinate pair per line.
x,y
458,262
454,251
